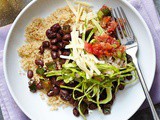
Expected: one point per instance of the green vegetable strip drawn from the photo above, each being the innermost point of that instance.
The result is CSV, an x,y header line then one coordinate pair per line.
x,y
100,29
84,30
79,108
134,80
91,33
117,85
79,85
100,14
109,96
97,99
106,67
72,88
53,73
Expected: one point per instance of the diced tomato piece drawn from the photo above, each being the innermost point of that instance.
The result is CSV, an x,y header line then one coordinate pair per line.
x,y
105,46
101,38
109,46
112,26
122,48
88,47
105,21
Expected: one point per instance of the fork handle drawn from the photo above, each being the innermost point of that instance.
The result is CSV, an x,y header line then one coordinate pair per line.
x,y
145,89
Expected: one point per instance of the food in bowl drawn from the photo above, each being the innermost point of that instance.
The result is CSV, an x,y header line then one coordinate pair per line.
x,y
74,57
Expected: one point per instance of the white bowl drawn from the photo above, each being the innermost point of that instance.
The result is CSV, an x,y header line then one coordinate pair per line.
x,y
127,101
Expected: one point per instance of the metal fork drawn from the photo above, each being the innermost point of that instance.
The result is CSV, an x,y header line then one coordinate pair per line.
x,y
126,36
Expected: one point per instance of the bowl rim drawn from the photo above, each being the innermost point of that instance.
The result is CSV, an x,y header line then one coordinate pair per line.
x,y
32,3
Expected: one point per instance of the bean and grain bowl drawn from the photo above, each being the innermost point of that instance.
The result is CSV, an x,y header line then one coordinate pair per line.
x,y
74,57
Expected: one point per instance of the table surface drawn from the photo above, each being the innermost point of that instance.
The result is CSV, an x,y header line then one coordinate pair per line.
x,y
144,114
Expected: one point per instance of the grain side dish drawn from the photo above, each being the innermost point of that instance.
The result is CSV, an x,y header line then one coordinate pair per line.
x,y
74,57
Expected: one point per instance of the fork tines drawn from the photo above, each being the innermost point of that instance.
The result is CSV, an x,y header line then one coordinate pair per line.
x,y
124,30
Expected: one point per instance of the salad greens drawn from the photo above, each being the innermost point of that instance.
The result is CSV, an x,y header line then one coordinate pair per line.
x,y
91,88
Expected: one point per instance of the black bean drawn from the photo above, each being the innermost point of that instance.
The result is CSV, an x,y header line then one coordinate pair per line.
x,y
59,83
62,61
106,108
53,80
121,87
50,34
60,45
66,53
92,106
56,27
67,37
39,63
54,41
54,47
59,38
106,111
41,49
39,86
76,112
115,83
30,74
75,103
56,90
129,77
78,94
106,105
61,32
64,94
113,98
54,54
103,95
46,44
71,101
129,58
65,42
72,84
86,112
50,93
59,53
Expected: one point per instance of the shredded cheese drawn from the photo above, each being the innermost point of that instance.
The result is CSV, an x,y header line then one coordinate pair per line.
x,y
91,15
74,46
80,28
79,14
71,7
85,61
66,57
84,15
83,3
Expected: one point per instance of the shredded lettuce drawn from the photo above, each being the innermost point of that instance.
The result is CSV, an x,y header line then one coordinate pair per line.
x,y
109,96
91,33
100,29
84,29
92,88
